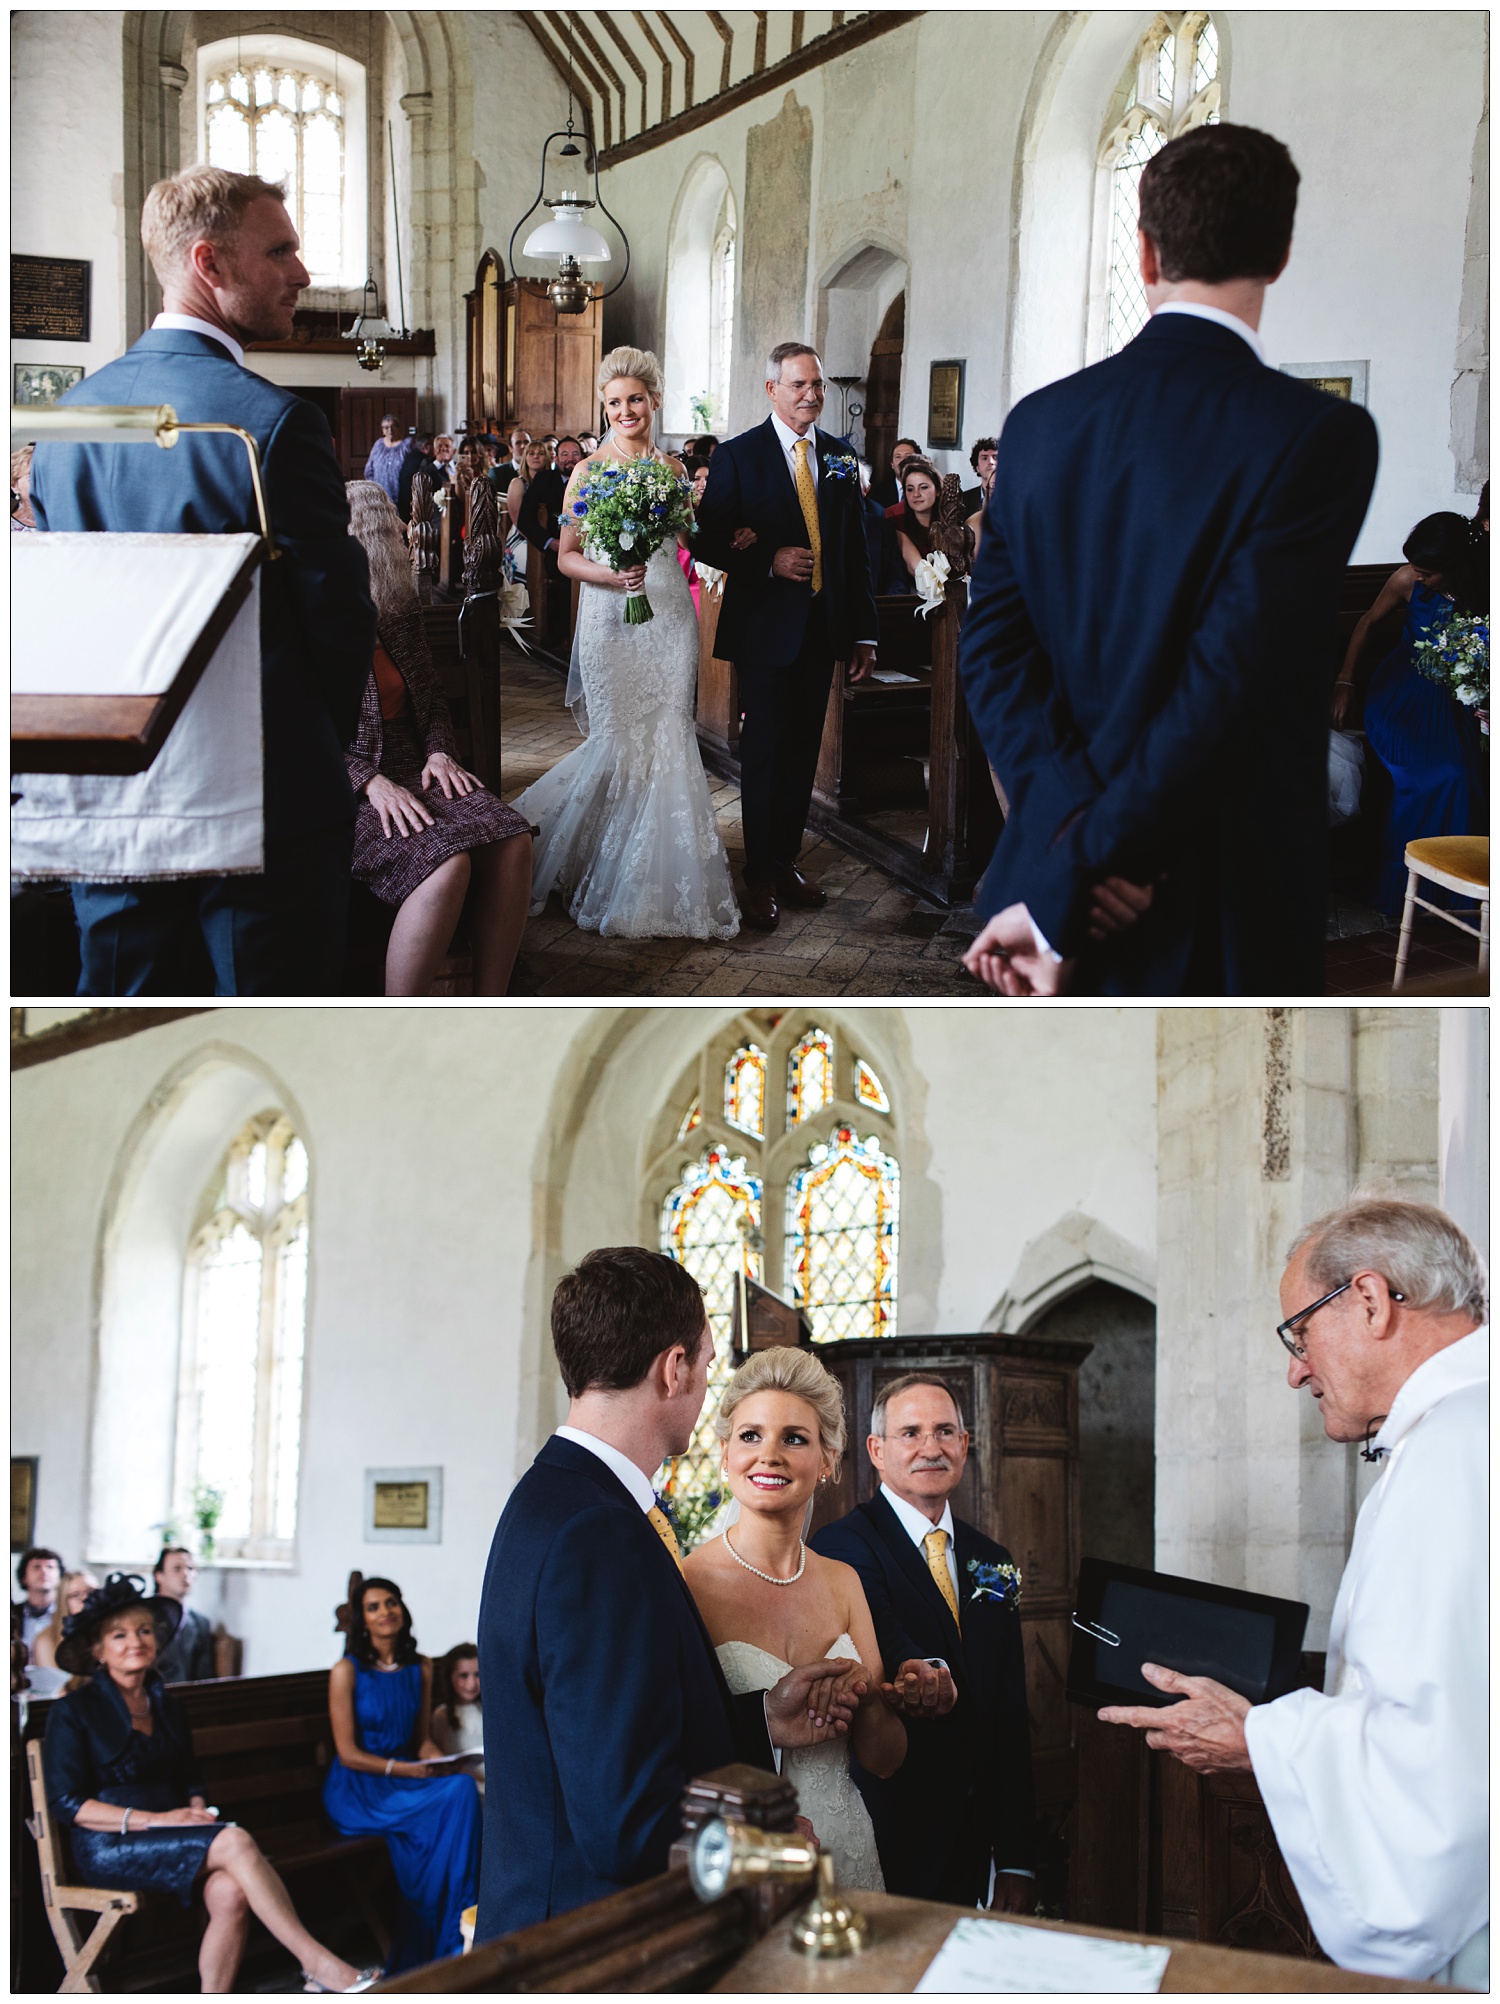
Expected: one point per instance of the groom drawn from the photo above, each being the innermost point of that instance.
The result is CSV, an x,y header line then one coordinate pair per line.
x,y
602,1694
796,602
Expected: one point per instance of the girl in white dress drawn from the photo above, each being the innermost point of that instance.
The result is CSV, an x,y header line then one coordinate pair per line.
x,y
458,1722
769,1603
628,833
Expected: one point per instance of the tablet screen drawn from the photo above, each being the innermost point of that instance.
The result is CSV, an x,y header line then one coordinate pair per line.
x,y
1233,1645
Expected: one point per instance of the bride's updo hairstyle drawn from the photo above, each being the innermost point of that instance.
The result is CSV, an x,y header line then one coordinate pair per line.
x,y
798,1372
637,362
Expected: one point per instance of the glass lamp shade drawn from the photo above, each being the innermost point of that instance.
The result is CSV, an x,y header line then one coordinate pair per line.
x,y
371,327
568,235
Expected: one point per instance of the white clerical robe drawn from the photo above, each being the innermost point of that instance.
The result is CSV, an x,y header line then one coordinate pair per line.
x,y
1377,1786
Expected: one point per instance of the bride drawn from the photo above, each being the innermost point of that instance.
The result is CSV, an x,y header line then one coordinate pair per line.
x,y
628,835
768,1602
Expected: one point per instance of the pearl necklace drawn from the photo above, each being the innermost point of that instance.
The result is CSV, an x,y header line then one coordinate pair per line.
x,y
769,1578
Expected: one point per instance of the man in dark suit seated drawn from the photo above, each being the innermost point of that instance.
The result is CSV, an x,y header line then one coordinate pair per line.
x,y
602,1694
225,250
982,456
540,519
887,491
1151,637
880,538
961,1803
500,476
189,1657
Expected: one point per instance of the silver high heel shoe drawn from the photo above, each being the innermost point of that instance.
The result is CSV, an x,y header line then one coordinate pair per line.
x,y
366,1980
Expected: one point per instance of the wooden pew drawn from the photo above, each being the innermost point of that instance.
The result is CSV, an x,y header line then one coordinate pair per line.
x,y
553,609
718,688
262,1747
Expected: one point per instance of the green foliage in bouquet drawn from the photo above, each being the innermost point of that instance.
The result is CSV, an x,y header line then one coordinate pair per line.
x,y
625,514
1456,655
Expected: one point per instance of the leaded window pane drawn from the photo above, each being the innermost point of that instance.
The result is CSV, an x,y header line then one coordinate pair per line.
x,y
745,1090
1128,311
843,1212
809,1077
216,91
265,87
276,153
239,87
229,1290
229,139
1166,69
1205,58
291,1312
298,140
294,1170
312,94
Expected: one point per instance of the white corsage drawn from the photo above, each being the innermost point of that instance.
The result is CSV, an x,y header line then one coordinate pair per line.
x,y
711,580
931,580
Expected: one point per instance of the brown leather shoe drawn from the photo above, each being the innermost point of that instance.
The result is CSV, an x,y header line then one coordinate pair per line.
x,y
792,888
758,907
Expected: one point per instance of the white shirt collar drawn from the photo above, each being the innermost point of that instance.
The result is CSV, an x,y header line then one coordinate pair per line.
x,y
1220,319
189,323
1460,1365
639,1485
916,1523
789,438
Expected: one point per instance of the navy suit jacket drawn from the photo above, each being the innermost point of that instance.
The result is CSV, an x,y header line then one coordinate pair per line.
x,y
1149,649
602,1696
964,1790
317,625
763,619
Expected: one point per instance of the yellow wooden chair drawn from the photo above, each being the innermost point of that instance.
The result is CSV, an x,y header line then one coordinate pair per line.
x,y
64,1902
1458,863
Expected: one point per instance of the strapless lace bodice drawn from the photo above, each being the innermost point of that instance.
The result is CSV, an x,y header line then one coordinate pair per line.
x,y
826,1794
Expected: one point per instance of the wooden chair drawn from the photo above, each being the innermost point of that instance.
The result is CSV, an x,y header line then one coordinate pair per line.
x,y
1458,863
64,1901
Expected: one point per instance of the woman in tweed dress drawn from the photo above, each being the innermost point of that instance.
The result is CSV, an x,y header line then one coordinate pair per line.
x,y
427,830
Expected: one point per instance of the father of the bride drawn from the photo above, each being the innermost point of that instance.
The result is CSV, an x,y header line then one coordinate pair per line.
x,y
794,603
1151,637
602,1693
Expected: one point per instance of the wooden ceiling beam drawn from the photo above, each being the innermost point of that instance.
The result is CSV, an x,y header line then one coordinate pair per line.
x,y
609,70
607,22
686,50
666,63
591,76
760,39
726,35
83,1033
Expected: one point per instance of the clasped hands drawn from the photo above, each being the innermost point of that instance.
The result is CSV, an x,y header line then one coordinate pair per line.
x,y
400,811
818,1701
1005,955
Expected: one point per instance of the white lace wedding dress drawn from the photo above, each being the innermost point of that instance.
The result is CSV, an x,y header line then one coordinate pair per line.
x,y
628,833
826,1794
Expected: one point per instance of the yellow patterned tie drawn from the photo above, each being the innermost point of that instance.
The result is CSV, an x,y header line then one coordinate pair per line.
x,y
936,1546
656,1517
807,494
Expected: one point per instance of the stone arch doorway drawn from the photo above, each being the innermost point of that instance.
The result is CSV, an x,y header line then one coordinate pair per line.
x,y
863,304
883,388
486,329
1116,1417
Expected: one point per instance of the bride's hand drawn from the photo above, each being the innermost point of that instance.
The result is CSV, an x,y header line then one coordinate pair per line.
x,y
815,1702
631,580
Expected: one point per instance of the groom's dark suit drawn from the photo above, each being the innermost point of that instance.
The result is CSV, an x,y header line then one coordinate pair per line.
x,y
1148,654
964,1791
602,1695
781,638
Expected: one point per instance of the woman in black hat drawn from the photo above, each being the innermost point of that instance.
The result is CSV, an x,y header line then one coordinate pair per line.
x,y
118,1758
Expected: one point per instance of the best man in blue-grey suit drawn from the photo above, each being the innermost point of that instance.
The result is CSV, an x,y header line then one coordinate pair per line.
x,y
1151,637
602,1694
226,253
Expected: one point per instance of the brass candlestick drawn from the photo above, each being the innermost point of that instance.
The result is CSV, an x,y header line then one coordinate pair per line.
x,y
729,1855
828,1926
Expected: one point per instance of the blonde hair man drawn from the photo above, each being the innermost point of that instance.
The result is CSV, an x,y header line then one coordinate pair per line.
x,y
227,255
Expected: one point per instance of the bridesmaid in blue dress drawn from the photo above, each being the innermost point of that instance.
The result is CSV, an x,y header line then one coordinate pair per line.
x,y
380,1700
1430,744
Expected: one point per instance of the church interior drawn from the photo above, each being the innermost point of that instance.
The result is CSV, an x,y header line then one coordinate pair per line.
x,y
273,1266
940,200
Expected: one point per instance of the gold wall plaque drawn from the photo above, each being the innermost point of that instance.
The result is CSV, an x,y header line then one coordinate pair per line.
x,y
22,1501
401,1506
49,298
945,407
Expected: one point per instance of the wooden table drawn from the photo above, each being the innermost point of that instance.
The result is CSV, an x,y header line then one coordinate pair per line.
x,y
906,1934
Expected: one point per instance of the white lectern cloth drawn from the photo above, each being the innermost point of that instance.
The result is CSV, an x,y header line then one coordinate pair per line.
x,y
103,614
1378,1787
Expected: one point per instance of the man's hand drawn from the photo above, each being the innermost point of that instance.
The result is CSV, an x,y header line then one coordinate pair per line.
x,y
863,662
1206,1732
1006,957
921,1690
1014,1894
814,1702
743,539
1117,903
794,562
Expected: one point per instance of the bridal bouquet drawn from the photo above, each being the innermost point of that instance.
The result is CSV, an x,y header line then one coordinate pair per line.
x,y
1456,656
625,514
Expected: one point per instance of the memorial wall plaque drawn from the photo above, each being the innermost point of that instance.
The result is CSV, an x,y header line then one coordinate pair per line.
x,y
945,407
49,298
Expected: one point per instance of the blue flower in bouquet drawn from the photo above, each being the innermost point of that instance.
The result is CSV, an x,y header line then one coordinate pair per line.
x,y
841,466
994,1582
627,513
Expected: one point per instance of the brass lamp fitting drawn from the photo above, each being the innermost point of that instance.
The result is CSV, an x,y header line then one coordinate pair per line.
x,y
828,1926
729,1855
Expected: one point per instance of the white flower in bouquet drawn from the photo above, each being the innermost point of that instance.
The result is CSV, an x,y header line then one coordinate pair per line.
x,y
931,581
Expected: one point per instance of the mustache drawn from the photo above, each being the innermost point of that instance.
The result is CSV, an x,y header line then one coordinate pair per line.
x,y
941,1461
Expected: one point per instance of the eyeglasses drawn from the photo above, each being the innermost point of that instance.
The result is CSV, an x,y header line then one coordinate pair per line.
x,y
1284,1329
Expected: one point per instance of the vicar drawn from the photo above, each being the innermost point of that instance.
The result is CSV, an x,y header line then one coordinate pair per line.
x,y
1377,1787
962,1800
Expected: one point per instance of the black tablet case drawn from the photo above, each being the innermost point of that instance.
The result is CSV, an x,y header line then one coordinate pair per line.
x,y
1252,1642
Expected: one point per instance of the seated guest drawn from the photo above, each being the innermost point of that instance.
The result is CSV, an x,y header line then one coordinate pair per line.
x,y
535,461
189,1657
589,440
502,474
920,486
1428,741
380,1701
888,490
44,1677
441,469
457,1720
698,474
549,439
418,460
38,1571
982,457
118,1760
426,828
887,573
388,456
540,519
21,516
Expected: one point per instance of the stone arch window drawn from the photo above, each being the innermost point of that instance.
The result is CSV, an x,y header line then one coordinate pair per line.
x,y
721,314
292,111
701,263
239,1406
800,1192
1170,85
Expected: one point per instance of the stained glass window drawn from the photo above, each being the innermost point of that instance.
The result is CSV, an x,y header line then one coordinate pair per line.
x,y
711,1223
243,1342
809,1076
842,1218
745,1090
691,1119
867,1088
290,129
